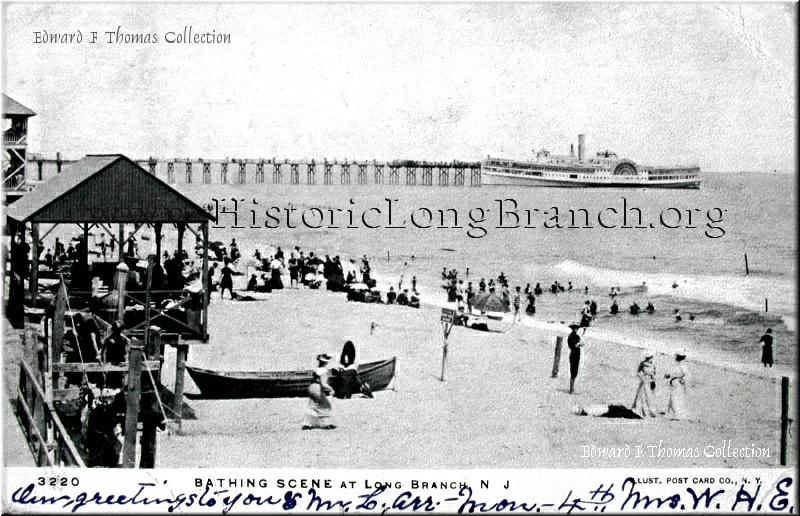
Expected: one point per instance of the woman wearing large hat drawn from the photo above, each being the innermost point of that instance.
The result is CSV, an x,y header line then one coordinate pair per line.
x,y
643,402
676,409
320,410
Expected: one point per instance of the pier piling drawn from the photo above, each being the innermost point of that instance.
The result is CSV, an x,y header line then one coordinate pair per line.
x,y
784,417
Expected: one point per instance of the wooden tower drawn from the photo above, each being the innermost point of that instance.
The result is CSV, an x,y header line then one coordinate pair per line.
x,y
15,146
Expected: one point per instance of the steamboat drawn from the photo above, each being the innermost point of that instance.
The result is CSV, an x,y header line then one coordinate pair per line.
x,y
606,169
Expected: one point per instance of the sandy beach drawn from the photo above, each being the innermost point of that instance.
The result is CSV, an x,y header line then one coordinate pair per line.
x,y
497,408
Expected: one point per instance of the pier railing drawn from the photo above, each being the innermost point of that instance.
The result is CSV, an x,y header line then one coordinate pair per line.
x,y
299,171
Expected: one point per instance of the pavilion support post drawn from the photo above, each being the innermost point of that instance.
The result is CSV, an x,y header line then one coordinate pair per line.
x,y
147,302
57,339
181,231
16,292
85,258
121,242
22,270
34,280
132,402
157,228
206,293
147,459
180,371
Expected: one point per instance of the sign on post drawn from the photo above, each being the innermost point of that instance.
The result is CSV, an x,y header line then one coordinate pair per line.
x,y
448,315
448,318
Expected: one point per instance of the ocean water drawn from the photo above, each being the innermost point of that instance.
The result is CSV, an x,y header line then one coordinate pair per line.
x,y
732,214
694,265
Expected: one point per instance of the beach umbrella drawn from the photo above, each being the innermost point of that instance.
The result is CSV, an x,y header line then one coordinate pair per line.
x,y
490,302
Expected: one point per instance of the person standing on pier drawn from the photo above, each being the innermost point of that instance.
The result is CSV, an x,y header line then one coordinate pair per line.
x,y
574,345
766,350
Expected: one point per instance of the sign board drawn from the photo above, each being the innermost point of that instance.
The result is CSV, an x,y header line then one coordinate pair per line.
x,y
448,315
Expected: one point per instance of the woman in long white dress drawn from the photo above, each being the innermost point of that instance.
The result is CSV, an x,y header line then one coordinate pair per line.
x,y
643,402
677,409
320,411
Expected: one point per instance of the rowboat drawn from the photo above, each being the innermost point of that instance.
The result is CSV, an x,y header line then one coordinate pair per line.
x,y
280,384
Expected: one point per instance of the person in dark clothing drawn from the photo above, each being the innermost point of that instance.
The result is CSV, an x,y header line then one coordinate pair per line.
x,y
402,299
115,347
614,308
537,290
157,280
226,281
531,308
210,285
294,271
89,338
115,351
603,410
574,344
252,285
766,350
391,296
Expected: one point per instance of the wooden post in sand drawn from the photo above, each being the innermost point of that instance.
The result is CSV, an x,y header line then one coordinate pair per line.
x,y
746,266
132,401
557,356
766,304
180,370
448,317
784,416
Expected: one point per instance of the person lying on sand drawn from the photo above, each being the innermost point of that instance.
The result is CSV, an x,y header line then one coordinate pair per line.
x,y
603,410
237,297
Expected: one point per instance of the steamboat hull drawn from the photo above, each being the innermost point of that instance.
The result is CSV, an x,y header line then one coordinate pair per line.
x,y
494,178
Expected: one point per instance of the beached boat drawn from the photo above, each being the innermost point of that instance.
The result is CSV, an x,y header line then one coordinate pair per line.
x,y
280,384
606,169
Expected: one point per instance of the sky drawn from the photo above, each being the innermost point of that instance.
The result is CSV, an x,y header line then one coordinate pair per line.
x,y
706,84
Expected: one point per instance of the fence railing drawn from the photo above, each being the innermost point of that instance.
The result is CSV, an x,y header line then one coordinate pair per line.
x,y
45,433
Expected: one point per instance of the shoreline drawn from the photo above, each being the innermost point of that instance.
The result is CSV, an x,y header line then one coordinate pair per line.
x,y
491,378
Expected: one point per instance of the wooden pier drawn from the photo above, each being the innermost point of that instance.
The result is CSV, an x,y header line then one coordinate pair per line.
x,y
40,167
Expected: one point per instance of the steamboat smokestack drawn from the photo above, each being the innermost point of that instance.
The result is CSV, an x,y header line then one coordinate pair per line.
x,y
581,138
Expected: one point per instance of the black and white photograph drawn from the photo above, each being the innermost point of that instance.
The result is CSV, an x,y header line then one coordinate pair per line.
x,y
395,257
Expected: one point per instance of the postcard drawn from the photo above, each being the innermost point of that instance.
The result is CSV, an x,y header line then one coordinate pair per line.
x,y
395,257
